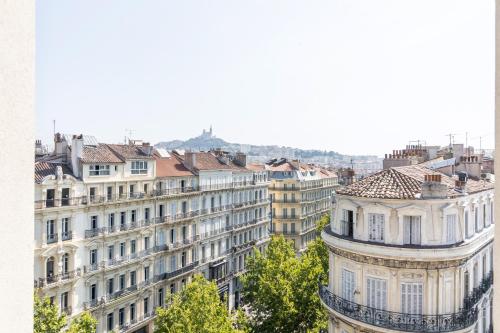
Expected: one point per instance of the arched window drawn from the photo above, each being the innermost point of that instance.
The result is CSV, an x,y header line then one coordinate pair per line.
x,y
65,263
49,268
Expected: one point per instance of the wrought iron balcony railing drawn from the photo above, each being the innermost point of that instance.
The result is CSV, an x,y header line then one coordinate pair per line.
x,y
398,321
478,292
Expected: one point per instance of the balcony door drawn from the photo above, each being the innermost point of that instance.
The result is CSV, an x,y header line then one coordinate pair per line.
x,y
347,223
412,298
348,285
411,230
376,293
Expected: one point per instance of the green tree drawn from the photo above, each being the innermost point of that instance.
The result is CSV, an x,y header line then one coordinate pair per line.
x,y
281,289
46,317
84,323
196,308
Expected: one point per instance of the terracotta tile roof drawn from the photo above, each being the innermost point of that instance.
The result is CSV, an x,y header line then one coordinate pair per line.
x,y
324,173
170,167
130,152
405,183
208,161
257,167
99,154
44,169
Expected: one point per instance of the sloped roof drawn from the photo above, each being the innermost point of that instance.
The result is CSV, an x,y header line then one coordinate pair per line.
x,y
208,161
256,167
405,183
170,167
44,169
126,152
99,154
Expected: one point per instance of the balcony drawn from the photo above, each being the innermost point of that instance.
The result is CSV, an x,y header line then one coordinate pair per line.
x,y
477,293
174,191
177,272
280,188
52,238
398,321
67,235
53,279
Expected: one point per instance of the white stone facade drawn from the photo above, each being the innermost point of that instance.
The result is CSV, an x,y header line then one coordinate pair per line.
x,y
410,265
117,244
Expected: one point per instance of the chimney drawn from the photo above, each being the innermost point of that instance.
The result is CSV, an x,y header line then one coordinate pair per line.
x,y
432,188
190,160
76,154
240,159
60,144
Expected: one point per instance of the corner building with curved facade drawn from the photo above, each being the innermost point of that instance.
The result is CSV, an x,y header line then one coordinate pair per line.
x,y
411,250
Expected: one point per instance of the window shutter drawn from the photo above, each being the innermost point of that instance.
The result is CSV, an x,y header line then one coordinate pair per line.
x,y
406,230
416,230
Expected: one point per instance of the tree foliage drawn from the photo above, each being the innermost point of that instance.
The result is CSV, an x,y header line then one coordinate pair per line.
x,y
84,323
281,289
197,308
46,317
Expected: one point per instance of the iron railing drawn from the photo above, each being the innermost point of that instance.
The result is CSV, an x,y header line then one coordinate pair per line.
x,y
398,321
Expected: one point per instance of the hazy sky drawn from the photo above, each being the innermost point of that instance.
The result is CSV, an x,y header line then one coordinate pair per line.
x,y
354,76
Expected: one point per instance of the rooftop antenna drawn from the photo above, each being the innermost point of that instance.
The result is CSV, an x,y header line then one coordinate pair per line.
x,y
130,131
452,138
54,126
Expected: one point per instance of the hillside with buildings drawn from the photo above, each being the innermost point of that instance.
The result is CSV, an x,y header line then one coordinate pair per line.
x,y
364,164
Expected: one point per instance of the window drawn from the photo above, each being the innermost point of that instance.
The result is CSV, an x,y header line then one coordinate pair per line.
x,y
285,228
121,317
133,215
132,311
347,223
146,242
93,257
111,221
122,249
65,197
122,281
139,167
411,298
160,297
376,224
109,193
146,304
93,222
111,252
51,231
64,301
98,170
66,233
93,292
411,230
466,283
132,278
146,214
132,246
110,286
376,293
110,321
348,285
146,273
451,226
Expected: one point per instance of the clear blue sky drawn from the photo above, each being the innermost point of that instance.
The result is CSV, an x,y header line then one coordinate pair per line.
x,y
355,76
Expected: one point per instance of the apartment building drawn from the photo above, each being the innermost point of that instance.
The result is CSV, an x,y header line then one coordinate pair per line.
x,y
300,195
410,250
119,227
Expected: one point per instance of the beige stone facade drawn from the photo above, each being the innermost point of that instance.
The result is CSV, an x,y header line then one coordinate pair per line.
x,y
404,259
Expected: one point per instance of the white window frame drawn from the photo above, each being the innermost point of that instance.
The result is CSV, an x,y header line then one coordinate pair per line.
x,y
376,293
412,297
376,227
348,285
99,170
412,230
451,228
139,167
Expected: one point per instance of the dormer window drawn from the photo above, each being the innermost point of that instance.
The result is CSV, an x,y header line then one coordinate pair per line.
x,y
139,167
99,170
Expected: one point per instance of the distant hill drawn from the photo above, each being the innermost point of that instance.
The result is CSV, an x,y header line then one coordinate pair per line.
x,y
207,141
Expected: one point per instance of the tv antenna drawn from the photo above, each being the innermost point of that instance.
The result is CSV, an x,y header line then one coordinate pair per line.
x,y
130,132
452,138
